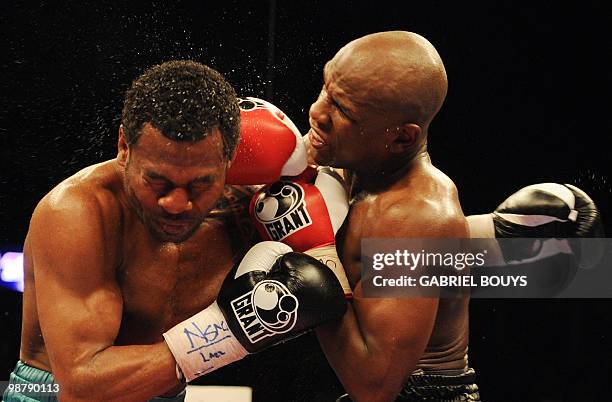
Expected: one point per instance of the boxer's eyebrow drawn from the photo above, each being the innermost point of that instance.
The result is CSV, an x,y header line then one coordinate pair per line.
x,y
343,108
198,180
203,179
156,176
325,71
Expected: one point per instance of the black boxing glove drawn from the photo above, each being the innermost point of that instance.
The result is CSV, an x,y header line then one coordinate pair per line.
x,y
273,295
546,210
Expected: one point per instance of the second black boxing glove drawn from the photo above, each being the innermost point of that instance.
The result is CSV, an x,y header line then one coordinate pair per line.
x,y
545,210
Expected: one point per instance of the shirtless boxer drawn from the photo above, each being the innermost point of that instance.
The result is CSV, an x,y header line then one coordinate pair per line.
x,y
379,96
128,263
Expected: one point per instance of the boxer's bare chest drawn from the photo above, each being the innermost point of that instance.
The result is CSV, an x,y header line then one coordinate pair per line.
x,y
162,285
447,346
349,239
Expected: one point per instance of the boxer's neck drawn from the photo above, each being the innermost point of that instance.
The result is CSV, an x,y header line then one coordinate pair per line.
x,y
377,179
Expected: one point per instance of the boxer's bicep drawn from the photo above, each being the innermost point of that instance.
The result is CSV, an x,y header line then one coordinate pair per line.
x,y
409,320
394,334
77,296
395,330
385,337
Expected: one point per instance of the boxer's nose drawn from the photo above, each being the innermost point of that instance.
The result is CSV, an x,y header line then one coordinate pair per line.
x,y
319,113
176,201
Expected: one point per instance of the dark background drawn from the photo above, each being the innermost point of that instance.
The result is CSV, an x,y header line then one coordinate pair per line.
x,y
528,102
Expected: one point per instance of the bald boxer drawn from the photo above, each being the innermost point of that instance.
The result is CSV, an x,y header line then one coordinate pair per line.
x,y
132,281
379,96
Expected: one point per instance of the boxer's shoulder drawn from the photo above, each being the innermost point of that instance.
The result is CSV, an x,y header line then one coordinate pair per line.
x,y
424,203
92,196
436,192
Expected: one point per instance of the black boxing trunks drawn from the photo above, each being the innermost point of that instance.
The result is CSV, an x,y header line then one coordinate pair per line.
x,y
437,386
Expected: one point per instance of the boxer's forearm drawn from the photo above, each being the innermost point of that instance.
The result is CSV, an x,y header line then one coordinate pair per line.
x,y
135,372
367,370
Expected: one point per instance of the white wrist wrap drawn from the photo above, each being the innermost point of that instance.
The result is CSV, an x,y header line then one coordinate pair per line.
x,y
203,343
329,256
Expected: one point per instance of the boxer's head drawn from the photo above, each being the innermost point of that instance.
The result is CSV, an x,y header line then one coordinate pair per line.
x,y
180,128
380,92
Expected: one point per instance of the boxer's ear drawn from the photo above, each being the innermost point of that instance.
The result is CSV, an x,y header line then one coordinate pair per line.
x,y
122,148
406,137
231,159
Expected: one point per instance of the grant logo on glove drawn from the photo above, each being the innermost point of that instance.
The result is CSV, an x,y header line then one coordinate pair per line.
x,y
267,310
281,210
305,212
257,307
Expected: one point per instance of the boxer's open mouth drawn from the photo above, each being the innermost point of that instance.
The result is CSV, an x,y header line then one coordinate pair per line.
x,y
316,139
173,227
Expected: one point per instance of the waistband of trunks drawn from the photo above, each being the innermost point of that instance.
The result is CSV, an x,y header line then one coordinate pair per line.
x,y
442,386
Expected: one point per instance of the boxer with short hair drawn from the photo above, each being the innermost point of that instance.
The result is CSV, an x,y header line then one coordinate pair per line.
x,y
133,279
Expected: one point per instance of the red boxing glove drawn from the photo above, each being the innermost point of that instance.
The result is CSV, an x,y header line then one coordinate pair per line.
x,y
305,215
270,145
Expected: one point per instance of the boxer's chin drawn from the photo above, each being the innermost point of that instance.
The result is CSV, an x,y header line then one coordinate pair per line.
x,y
322,157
